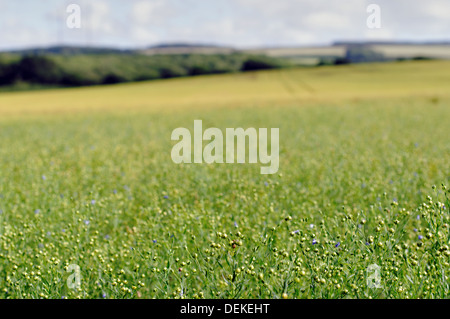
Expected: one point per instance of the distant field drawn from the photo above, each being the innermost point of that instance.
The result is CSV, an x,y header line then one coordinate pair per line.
x,y
319,51
86,179
390,51
286,86
411,51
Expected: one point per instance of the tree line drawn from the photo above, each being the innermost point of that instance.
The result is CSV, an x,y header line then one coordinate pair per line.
x,y
86,69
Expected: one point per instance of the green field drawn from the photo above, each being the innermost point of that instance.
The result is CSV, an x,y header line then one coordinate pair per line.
x,y
86,179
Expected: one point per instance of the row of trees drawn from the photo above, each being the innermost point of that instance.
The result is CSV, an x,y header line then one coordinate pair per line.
x,y
80,70
31,69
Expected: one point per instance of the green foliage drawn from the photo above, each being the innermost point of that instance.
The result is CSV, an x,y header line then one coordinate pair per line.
x,y
100,191
110,68
31,69
8,74
96,188
259,63
39,69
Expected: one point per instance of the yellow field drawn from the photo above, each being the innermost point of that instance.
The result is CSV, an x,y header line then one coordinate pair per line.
x,y
427,78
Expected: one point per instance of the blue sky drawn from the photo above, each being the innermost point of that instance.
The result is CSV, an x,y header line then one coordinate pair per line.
x,y
238,23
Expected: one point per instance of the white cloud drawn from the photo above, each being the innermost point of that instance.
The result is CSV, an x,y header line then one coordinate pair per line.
x,y
298,37
438,9
144,12
23,35
382,34
144,35
327,20
98,17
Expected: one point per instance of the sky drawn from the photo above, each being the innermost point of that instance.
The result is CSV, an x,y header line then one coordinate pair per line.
x,y
237,23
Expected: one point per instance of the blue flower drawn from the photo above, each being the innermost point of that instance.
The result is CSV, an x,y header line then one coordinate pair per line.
x,y
87,222
37,211
235,224
155,241
93,202
44,177
314,241
420,237
338,244
166,197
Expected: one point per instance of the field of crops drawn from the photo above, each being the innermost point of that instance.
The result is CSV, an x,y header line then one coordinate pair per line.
x,y
87,183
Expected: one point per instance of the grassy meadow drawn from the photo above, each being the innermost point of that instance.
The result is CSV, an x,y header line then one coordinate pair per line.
x,y
86,179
